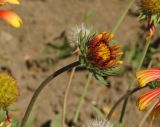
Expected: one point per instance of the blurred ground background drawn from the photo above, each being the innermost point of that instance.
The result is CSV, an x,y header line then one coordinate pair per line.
x,y
44,20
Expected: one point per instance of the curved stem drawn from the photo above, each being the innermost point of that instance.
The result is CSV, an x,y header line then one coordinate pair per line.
x,y
40,88
121,99
133,81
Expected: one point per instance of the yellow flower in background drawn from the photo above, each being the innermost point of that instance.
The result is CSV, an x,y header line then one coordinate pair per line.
x,y
152,6
150,11
8,90
2,2
10,17
146,99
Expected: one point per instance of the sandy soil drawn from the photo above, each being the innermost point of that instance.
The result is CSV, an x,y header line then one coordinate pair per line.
x,y
43,21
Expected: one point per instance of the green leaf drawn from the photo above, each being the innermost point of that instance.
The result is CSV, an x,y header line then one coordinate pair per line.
x,y
30,120
56,121
98,112
101,79
2,115
11,107
15,122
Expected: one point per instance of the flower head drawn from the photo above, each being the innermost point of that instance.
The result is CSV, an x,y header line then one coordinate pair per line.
x,y
99,123
99,55
8,90
150,6
147,75
146,99
150,11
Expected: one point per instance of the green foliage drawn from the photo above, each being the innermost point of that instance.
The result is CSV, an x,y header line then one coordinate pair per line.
x,y
98,113
154,18
63,48
56,121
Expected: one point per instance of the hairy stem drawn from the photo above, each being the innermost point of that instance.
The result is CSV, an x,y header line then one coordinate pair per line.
x,y
40,88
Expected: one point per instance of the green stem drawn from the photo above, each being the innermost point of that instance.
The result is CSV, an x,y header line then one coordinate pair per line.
x,y
84,92
133,81
40,88
122,16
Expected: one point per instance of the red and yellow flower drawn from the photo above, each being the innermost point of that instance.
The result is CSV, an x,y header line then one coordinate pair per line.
x,y
101,54
144,77
10,17
147,75
146,99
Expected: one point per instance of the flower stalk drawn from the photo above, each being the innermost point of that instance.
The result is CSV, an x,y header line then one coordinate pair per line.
x,y
40,88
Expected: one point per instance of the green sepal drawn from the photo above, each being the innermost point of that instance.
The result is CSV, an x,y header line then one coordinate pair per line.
x,y
154,85
154,18
101,79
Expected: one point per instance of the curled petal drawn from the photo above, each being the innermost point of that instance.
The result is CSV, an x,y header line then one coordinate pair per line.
x,y
97,38
11,18
150,32
116,54
146,99
113,63
148,75
115,47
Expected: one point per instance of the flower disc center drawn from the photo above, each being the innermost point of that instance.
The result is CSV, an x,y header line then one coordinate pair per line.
x,y
104,52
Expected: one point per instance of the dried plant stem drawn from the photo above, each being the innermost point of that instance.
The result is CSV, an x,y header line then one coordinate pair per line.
x,y
151,121
66,96
40,88
121,99
144,52
147,114
81,102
